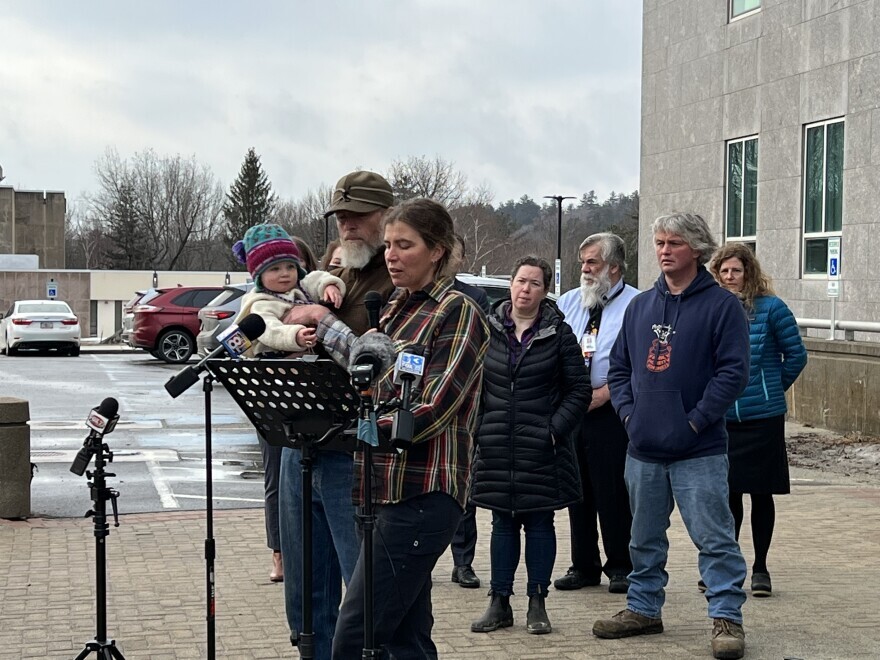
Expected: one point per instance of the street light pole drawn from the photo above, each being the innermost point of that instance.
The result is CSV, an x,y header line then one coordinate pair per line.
x,y
558,276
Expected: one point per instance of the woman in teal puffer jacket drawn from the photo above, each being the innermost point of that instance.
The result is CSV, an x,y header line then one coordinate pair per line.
x,y
756,422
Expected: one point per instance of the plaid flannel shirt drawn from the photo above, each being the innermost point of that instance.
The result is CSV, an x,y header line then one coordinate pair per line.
x,y
453,332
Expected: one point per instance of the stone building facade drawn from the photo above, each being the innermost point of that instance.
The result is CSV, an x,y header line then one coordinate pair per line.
x,y
32,222
764,117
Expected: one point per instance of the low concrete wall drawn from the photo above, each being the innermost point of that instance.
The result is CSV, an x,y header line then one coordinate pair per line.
x,y
840,387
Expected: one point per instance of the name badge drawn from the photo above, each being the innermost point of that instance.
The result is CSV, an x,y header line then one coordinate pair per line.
x,y
588,344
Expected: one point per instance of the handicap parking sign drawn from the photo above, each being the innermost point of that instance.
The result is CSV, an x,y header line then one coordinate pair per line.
x,y
832,267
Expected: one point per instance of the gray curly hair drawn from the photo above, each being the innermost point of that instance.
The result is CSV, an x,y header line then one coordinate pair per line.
x,y
692,228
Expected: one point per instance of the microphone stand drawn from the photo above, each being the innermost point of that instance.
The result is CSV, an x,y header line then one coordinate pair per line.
x,y
104,648
366,518
210,548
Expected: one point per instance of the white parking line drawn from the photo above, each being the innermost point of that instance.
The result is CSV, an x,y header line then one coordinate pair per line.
x,y
225,499
166,495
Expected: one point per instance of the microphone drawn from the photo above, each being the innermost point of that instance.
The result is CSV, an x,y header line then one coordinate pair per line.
x,y
408,369
373,303
371,356
235,340
101,420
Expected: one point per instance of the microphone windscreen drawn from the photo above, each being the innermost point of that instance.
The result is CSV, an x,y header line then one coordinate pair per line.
x,y
108,408
252,326
373,348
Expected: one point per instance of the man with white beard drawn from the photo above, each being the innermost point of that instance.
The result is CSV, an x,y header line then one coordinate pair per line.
x,y
360,201
595,313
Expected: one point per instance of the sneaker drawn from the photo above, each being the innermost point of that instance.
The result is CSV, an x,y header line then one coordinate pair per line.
x,y
618,584
728,640
701,586
627,623
761,587
575,579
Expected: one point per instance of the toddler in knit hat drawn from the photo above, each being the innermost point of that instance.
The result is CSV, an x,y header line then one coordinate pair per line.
x,y
275,263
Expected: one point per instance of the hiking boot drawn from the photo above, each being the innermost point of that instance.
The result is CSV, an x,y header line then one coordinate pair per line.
x,y
537,621
627,623
464,576
728,640
761,587
575,579
618,584
497,615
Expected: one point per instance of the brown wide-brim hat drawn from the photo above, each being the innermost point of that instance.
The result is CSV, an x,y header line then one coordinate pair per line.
x,y
360,192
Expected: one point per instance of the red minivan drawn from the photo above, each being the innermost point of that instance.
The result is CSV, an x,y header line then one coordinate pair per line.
x,y
166,325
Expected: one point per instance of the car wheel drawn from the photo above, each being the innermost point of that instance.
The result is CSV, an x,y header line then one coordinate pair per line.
x,y
73,351
175,346
11,351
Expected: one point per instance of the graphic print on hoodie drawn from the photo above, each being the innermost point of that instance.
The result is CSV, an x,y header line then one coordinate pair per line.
x,y
678,364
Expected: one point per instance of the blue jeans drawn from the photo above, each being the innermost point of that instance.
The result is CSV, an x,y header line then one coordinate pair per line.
x,y
504,549
335,540
699,487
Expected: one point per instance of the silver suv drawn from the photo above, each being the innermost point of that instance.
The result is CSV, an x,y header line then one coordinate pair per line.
x,y
218,315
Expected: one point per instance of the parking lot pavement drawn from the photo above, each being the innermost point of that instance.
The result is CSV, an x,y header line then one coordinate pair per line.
x,y
823,561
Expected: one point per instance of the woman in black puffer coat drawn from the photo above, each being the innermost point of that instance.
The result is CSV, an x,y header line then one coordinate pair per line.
x,y
535,392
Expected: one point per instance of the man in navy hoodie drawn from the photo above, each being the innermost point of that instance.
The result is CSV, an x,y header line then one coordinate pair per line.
x,y
679,362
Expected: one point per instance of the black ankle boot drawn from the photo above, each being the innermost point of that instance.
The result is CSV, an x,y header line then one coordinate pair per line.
x,y
537,622
498,615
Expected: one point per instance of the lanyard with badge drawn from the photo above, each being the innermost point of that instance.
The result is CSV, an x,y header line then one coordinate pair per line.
x,y
591,332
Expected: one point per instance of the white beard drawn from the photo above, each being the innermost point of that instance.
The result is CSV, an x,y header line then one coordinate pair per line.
x,y
357,254
592,291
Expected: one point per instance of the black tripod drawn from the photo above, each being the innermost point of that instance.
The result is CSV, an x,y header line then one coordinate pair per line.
x,y
103,647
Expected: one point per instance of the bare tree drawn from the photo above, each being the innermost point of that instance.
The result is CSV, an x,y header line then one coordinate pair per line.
x,y
177,202
305,218
437,179
85,241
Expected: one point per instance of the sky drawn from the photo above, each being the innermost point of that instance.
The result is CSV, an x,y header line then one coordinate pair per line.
x,y
525,97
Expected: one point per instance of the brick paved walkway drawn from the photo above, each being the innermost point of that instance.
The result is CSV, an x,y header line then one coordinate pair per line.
x,y
824,562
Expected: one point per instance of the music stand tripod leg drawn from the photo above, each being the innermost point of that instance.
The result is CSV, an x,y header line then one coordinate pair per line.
x,y
306,638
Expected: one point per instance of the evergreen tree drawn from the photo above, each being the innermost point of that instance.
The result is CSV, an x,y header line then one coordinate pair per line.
x,y
127,234
250,199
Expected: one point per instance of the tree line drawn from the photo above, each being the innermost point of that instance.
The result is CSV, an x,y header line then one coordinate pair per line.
x,y
152,212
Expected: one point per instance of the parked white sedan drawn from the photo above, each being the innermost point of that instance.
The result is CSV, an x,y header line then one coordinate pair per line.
x,y
40,324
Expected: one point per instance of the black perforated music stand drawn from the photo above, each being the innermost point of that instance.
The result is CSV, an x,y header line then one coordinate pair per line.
x,y
304,404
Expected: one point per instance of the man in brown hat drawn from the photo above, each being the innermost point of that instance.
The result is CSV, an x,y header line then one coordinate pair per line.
x,y
359,203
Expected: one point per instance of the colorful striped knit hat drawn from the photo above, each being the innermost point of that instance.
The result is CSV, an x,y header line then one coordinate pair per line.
x,y
264,245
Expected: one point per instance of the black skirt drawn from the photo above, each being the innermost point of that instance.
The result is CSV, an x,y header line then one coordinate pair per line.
x,y
758,461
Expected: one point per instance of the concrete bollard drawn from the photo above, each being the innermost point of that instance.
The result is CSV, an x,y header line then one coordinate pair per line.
x,y
15,458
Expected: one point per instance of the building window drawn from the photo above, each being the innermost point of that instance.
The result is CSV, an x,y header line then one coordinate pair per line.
x,y
823,191
740,8
93,318
741,212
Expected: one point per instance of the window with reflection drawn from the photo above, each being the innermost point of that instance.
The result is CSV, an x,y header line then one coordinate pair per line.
x,y
742,7
741,185
823,191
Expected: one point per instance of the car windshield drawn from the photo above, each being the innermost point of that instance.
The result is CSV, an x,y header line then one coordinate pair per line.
x,y
44,308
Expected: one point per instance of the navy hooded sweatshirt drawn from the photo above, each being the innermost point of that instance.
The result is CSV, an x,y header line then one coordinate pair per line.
x,y
679,362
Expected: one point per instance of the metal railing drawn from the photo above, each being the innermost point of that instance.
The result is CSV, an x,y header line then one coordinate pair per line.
x,y
850,328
